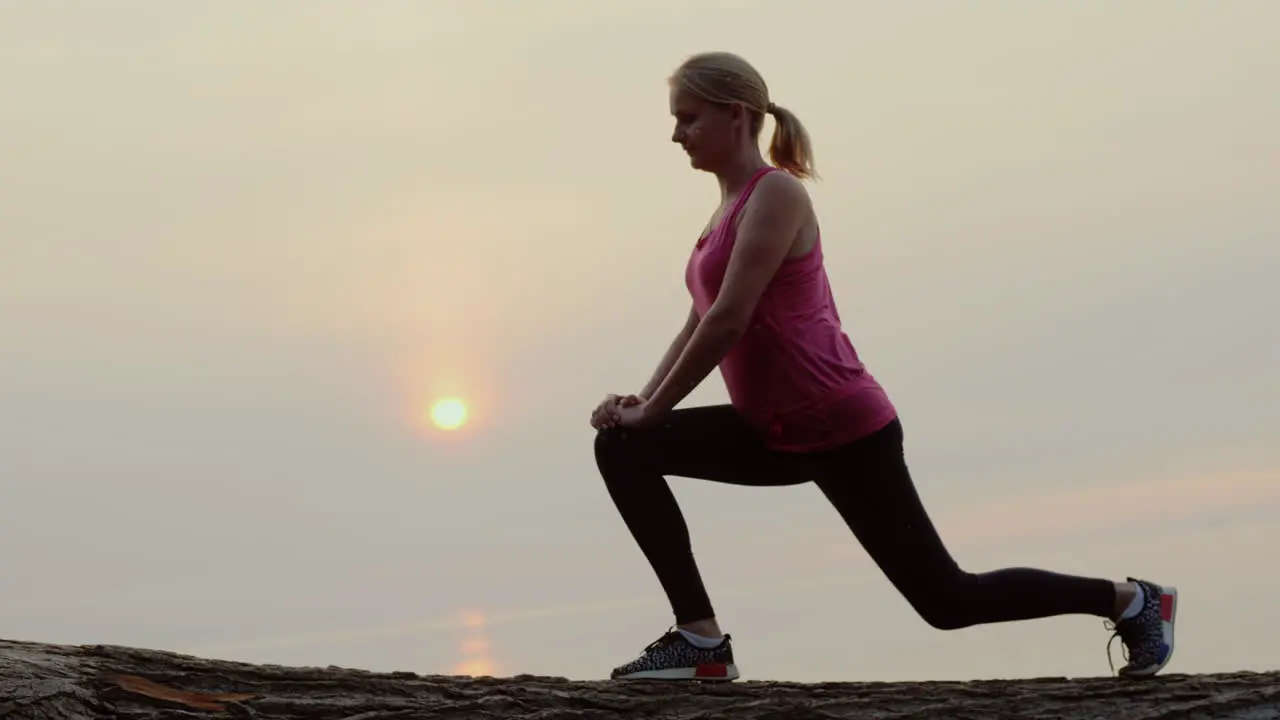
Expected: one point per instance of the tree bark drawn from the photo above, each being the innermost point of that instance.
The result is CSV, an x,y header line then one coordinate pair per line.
x,y
64,682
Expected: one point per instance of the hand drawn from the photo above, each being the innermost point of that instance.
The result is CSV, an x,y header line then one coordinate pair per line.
x,y
606,413
636,413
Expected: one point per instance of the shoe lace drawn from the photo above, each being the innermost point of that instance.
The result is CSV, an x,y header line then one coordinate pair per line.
x,y
1127,632
665,639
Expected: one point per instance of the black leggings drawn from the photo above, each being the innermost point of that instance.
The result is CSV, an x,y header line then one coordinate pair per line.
x,y
868,484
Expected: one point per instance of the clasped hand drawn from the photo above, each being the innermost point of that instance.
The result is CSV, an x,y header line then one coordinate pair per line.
x,y
621,411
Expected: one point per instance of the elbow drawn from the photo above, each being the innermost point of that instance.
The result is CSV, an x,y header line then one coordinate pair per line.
x,y
727,326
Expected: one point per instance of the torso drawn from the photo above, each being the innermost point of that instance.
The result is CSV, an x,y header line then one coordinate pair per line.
x,y
794,375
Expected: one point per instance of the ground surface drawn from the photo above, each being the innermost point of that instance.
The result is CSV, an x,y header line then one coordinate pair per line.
x,y
63,682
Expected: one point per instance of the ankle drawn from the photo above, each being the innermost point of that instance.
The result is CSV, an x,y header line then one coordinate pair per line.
x,y
1126,594
707,628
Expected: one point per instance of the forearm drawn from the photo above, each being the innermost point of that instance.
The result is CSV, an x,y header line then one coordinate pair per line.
x,y
672,354
709,343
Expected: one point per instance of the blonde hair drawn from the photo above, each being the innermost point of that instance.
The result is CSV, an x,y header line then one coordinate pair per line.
x,y
725,78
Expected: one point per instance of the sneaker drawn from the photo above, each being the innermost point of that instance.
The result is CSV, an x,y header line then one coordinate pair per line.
x,y
1147,636
673,657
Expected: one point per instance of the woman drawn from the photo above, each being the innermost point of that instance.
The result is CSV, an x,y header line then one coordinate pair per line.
x,y
803,407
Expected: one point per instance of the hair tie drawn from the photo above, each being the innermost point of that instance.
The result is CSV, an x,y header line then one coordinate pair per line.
x,y
771,108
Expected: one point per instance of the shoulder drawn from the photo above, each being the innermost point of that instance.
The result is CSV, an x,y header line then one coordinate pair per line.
x,y
771,219
778,193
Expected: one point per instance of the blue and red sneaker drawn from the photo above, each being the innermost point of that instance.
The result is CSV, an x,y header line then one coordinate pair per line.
x,y
1148,635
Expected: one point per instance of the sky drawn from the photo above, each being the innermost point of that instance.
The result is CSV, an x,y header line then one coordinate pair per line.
x,y
245,246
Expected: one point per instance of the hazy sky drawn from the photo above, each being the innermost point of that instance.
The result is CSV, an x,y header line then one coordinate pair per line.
x,y
245,245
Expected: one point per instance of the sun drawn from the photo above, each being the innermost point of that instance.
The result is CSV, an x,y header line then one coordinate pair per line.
x,y
449,413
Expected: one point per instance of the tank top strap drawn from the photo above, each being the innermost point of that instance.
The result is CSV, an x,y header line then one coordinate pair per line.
x,y
746,195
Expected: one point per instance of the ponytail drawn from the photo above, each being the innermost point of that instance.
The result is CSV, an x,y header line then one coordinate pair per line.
x,y
790,148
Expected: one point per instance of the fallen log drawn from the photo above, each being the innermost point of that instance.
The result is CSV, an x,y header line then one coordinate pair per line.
x,y
82,682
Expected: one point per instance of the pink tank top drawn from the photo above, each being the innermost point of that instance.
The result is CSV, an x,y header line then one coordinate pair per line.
x,y
794,375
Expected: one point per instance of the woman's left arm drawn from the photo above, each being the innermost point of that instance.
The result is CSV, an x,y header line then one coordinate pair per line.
x,y
766,232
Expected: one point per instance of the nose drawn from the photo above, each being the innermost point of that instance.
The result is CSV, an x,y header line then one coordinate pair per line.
x,y
677,136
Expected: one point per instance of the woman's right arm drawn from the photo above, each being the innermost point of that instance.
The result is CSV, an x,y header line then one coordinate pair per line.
x,y
672,354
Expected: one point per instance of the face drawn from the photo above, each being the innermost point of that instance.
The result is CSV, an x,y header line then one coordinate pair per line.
x,y
708,132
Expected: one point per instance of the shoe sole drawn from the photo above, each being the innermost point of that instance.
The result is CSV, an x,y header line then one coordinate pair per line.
x,y
1168,615
710,672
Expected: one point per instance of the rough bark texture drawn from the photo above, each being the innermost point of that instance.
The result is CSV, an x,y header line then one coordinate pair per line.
x,y
62,682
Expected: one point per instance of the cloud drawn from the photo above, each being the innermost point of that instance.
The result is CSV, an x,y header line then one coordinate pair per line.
x,y
1211,497
1164,506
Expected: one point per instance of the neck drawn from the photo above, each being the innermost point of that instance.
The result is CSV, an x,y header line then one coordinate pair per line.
x,y
738,171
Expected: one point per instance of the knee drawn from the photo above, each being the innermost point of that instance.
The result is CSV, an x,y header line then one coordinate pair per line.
x,y
606,443
941,618
611,448
945,604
